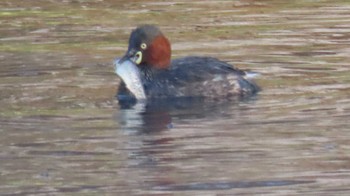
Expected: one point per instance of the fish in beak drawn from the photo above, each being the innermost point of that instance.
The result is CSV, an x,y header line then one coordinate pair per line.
x,y
130,74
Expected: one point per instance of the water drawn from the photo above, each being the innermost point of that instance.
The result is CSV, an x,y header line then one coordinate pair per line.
x,y
63,133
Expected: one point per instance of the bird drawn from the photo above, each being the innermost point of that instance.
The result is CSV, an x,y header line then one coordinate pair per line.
x,y
147,72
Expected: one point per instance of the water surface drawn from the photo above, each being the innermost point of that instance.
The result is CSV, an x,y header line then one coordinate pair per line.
x,y
63,133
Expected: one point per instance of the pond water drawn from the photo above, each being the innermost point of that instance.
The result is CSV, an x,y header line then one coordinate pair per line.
x,y
63,133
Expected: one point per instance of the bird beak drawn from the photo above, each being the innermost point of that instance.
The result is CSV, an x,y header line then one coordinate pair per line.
x,y
132,55
121,60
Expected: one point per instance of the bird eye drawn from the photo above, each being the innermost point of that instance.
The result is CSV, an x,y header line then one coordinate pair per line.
x,y
143,46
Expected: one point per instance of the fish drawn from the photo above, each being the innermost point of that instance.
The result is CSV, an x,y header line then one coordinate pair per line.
x,y
130,74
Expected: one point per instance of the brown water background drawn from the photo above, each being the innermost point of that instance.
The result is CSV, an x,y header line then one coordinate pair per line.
x,y
63,133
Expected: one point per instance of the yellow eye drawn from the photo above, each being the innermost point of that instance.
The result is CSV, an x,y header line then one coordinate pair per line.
x,y
143,46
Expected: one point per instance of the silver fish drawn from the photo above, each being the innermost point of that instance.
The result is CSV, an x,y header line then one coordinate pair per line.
x,y
130,74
